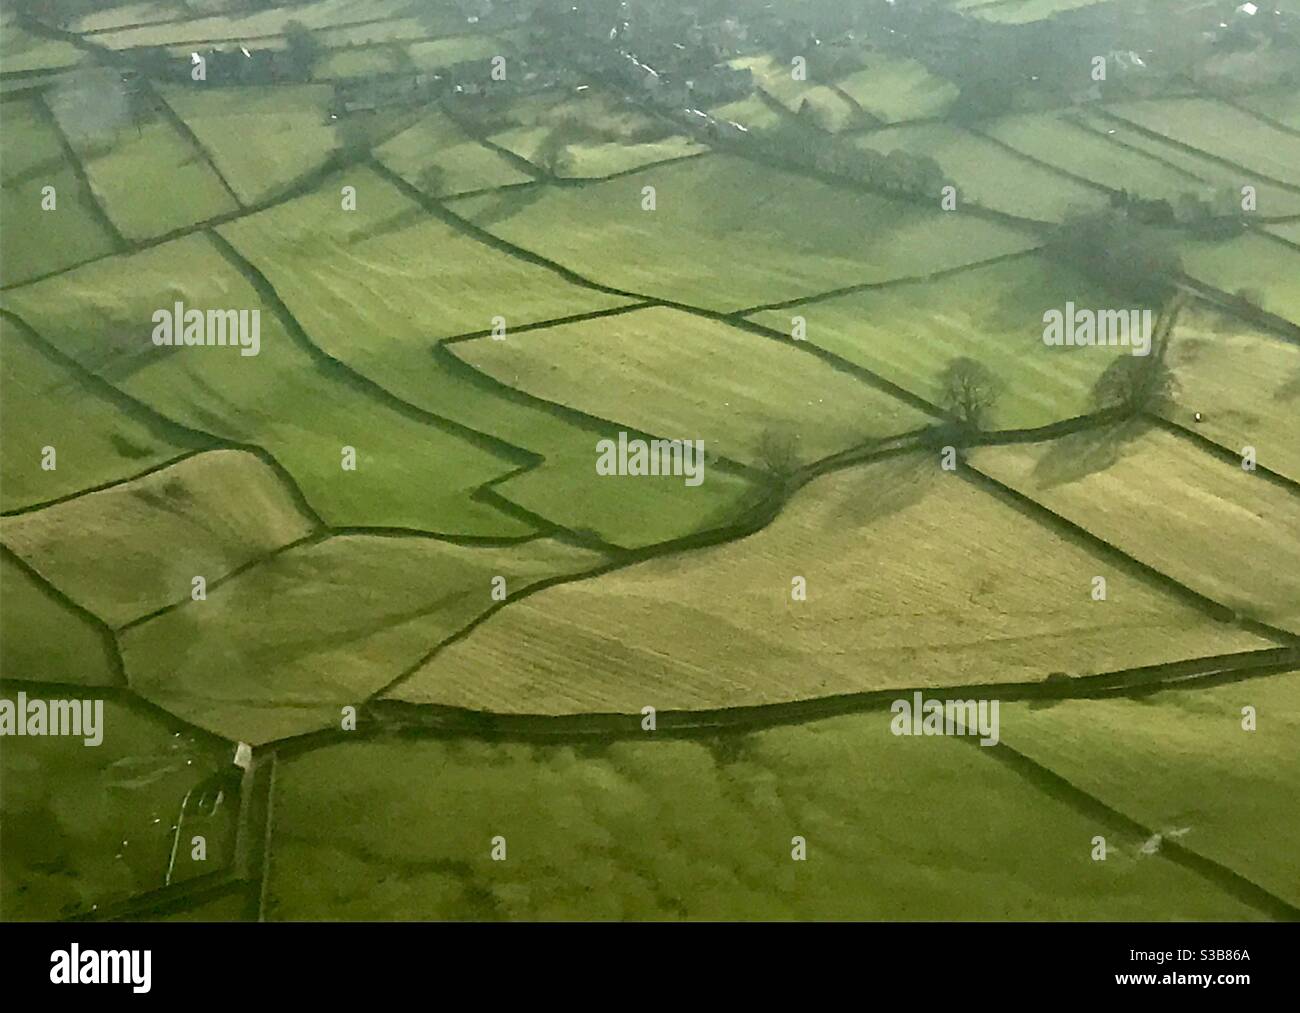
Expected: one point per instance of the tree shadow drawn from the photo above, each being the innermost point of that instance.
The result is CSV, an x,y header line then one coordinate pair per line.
x,y
879,490
404,219
1077,455
502,205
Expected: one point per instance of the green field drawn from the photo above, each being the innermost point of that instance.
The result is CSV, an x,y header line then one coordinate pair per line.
x,y
909,333
828,108
281,648
43,404
1288,231
39,241
1023,12
674,830
411,471
150,180
208,514
314,14
1181,763
1282,106
44,639
118,16
1254,263
1246,385
894,89
589,135
21,50
915,577
1205,522
1219,130
260,141
438,282
798,236
440,159
376,601
87,827
987,174
1065,143
665,373
1272,201
441,282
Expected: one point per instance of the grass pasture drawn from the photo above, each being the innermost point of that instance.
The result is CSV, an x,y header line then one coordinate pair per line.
x,y
1246,385
1260,265
909,333
1280,106
440,619
777,79
1222,131
374,33
752,113
116,16
692,830
87,827
987,174
359,61
37,241
439,282
411,472
280,648
727,234
44,639
590,135
1288,232
893,88
125,551
44,404
316,14
150,179
35,148
439,158
1064,143
406,52
672,374
260,139
1205,522
20,50
915,577
1273,201
1181,763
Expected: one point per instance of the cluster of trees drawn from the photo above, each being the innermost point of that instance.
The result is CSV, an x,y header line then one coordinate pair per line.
x,y
1210,214
302,49
1119,252
899,172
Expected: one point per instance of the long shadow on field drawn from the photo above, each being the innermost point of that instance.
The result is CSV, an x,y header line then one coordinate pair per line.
x,y
504,205
393,223
1077,455
878,493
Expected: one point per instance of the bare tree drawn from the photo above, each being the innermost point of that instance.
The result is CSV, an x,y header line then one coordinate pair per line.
x,y
970,390
1133,384
553,154
778,453
302,47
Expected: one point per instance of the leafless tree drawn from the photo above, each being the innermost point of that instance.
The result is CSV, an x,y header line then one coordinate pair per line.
x,y
970,390
778,453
